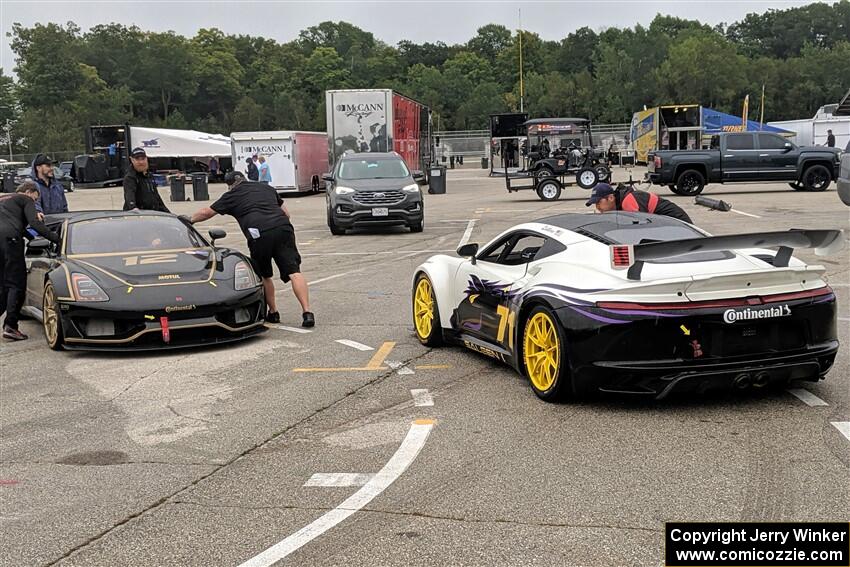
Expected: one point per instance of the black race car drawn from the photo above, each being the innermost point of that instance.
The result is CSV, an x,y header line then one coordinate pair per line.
x,y
138,280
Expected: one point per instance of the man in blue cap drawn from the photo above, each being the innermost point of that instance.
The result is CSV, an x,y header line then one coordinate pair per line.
x,y
626,198
51,194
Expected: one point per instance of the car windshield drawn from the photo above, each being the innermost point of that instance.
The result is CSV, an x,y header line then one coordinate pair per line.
x,y
130,234
351,169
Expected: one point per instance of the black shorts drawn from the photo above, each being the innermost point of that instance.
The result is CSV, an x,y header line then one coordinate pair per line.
x,y
277,244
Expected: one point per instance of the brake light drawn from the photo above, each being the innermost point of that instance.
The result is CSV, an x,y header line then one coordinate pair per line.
x,y
657,162
621,256
719,303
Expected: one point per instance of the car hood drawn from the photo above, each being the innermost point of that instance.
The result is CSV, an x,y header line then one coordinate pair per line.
x,y
376,184
165,267
821,149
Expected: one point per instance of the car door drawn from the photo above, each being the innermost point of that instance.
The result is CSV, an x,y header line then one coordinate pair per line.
x,y
777,157
740,158
486,287
39,263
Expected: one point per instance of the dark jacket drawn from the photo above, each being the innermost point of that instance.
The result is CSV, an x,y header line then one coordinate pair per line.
x,y
51,198
629,199
140,192
830,140
253,172
16,212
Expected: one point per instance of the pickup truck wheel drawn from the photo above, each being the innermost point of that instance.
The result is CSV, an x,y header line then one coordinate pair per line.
x,y
549,189
690,182
797,186
816,178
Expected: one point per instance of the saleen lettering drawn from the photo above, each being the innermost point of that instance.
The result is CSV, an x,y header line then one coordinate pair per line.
x,y
748,314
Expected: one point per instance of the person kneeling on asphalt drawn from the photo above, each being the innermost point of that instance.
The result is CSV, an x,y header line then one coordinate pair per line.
x,y
626,198
264,221
17,210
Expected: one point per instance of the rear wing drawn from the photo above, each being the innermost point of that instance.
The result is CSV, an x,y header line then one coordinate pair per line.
x,y
633,256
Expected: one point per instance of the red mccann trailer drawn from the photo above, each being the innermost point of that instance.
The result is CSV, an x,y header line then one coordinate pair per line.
x,y
379,120
296,160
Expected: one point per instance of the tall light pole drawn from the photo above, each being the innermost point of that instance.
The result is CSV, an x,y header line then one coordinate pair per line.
x,y
521,101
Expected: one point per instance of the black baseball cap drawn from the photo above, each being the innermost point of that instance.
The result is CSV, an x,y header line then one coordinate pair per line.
x,y
138,152
232,177
599,192
41,159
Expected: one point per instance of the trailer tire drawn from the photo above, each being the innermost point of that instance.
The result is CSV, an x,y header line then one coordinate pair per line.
x,y
544,172
603,172
587,178
689,183
549,189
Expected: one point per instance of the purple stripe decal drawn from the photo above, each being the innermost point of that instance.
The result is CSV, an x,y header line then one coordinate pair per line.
x,y
599,317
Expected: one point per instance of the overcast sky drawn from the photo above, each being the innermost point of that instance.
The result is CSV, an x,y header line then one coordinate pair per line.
x,y
390,21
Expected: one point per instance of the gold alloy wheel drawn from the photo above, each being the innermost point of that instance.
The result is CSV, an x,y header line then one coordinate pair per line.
x,y
50,315
423,308
541,351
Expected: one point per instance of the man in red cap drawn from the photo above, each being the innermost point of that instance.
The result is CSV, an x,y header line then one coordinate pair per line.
x,y
625,198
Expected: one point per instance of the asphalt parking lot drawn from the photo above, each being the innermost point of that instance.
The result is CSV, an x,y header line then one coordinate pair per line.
x,y
213,456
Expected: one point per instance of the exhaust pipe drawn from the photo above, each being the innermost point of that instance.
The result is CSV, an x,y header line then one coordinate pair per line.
x,y
761,380
743,381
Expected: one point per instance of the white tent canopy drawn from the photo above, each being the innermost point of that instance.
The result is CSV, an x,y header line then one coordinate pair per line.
x,y
163,142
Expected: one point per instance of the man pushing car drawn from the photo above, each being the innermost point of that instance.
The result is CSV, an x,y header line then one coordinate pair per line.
x,y
264,221
626,198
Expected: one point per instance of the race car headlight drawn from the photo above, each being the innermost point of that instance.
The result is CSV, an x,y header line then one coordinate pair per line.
x,y
412,188
85,289
343,190
244,277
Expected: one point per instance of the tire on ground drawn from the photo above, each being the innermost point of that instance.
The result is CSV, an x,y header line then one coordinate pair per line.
x,y
426,315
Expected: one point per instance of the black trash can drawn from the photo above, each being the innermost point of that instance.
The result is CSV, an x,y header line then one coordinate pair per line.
x,y
200,190
437,180
9,182
484,162
178,190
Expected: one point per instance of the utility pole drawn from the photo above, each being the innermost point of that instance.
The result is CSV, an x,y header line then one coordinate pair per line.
x,y
521,101
9,138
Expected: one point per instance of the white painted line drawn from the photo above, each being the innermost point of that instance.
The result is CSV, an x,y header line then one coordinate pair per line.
x,y
422,398
807,397
320,280
339,479
403,457
291,329
457,220
465,238
386,252
843,427
400,368
743,213
354,344
844,318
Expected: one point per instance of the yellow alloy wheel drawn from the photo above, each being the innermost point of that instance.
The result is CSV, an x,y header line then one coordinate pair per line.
x,y
51,316
423,309
542,351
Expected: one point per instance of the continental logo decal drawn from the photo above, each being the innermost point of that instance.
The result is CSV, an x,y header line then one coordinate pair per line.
x,y
169,277
173,308
483,350
748,314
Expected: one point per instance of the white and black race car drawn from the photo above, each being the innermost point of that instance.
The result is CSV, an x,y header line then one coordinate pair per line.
x,y
635,303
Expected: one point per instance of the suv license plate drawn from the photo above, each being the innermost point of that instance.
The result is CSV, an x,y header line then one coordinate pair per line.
x,y
381,212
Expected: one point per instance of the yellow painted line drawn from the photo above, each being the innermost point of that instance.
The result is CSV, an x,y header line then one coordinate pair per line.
x,y
424,422
381,355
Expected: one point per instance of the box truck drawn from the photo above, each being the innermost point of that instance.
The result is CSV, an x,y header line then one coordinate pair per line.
x,y
378,120
296,159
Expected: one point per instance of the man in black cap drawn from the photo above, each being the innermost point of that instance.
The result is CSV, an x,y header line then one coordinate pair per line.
x,y
51,198
252,170
264,221
139,186
17,210
626,198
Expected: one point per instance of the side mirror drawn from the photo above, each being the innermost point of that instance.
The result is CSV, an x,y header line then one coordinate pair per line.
x,y
216,234
327,177
38,246
468,251
788,146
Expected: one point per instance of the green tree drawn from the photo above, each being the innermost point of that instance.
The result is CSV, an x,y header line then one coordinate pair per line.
x,y
47,63
489,41
218,74
167,67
